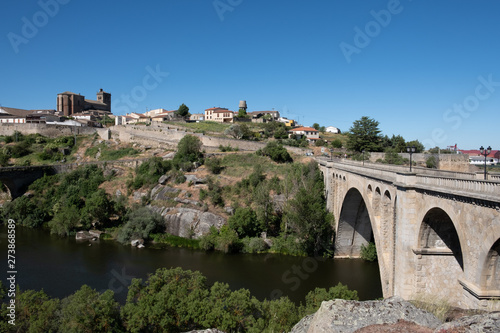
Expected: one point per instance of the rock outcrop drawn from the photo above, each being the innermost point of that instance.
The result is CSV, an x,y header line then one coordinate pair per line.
x,y
348,316
489,323
188,222
390,315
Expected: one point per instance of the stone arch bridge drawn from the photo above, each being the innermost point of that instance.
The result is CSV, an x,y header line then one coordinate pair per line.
x,y
437,233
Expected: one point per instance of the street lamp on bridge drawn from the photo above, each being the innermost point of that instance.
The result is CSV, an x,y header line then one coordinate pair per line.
x,y
410,150
363,157
485,152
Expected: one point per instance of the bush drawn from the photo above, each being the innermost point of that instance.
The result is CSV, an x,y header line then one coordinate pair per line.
x,y
318,295
369,252
244,222
288,245
276,152
149,172
253,245
337,143
140,224
225,240
214,165
431,162
392,157
188,152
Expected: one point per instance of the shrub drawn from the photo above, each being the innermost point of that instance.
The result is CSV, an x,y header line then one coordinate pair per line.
x,y
188,152
244,222
214,165
431,162
276,152
203,194
288,245
318,295
369,252
337,143
253,245
140,224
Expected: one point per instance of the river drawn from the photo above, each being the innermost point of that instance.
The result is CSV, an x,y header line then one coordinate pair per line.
x,y
60,266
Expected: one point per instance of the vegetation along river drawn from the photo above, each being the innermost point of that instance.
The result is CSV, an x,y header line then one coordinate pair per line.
x,y
60,266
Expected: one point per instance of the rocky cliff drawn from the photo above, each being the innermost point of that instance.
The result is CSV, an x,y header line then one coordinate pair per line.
x,y
390,315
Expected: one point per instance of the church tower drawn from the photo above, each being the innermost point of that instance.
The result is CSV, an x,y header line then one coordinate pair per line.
x,y
105,98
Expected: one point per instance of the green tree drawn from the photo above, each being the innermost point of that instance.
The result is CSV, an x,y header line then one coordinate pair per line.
x,y
4,159
306,214
239,131
140,224
188,152
318,295
65,220
276,152
281,133
242,113
336,143
89,311
431,162
98,209
392,157
232,311
35,312
419,147
398,143
171,300
183,111
245,223
364,135
369,252
316,126
280,315
214,165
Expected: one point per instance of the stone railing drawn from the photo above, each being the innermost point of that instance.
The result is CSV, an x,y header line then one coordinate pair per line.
x,y
436,180
405,169
463,185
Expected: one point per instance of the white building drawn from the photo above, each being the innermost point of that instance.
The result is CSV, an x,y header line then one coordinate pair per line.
x,y
479,160
310,133
331,129
220,115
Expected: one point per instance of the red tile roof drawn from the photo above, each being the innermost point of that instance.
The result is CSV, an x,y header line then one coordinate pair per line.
x,y
476,152
215,109
305,129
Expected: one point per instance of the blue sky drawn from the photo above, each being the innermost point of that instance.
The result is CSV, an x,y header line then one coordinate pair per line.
x,y
427,70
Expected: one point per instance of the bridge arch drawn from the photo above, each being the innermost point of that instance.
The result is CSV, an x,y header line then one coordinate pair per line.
x,y
439,260
438,235
354,226
490,276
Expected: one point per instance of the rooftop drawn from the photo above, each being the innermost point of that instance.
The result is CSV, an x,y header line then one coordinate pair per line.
x,y
304,129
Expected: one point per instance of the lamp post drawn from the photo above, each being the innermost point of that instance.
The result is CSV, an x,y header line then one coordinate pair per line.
x,y
485,152
363,157
410,150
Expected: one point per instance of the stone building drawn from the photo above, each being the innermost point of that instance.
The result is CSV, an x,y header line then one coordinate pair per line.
x,y
69,103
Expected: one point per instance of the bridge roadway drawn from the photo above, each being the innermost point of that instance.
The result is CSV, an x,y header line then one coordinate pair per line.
x,y
437,232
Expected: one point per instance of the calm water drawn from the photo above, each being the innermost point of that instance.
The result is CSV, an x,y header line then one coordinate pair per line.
x,y
60,266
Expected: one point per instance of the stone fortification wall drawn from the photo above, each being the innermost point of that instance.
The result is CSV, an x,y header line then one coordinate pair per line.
x,y
52,130
169,136
450,162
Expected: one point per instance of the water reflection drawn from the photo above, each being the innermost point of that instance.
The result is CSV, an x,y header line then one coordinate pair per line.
x,y
61,265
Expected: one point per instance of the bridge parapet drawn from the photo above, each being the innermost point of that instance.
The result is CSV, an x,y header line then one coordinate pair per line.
x,y
481,189
427,179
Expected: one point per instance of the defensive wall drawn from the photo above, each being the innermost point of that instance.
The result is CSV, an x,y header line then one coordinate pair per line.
x,y
52,131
